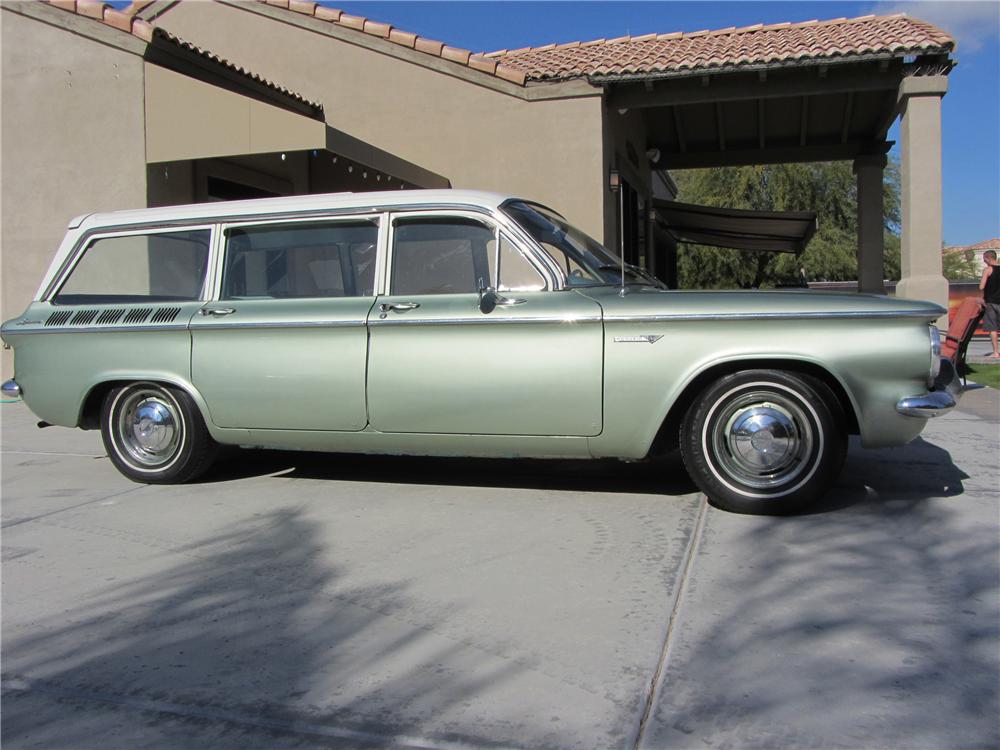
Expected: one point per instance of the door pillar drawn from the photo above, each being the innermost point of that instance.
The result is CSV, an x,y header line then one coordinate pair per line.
x,y
868,170
920,105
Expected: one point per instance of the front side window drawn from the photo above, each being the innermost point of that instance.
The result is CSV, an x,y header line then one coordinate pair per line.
x,y
288,261
440,255
165,266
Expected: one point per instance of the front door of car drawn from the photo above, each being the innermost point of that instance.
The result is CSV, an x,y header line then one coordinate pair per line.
x,y
522,361
284,344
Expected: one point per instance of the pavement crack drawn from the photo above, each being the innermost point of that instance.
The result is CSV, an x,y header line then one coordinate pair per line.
x,y
655,682
18,522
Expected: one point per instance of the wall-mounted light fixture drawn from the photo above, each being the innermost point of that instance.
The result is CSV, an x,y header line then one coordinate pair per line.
x,y
614,180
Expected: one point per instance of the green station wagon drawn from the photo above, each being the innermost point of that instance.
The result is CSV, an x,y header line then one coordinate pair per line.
x,y
454,323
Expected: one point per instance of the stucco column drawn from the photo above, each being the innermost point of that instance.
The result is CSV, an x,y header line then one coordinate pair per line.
x,y
871,240
920,105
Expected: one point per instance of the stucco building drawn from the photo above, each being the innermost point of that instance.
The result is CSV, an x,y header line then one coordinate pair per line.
x,y
174,102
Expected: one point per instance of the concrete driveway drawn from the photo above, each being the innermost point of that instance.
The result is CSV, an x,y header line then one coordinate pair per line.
x,y
295,601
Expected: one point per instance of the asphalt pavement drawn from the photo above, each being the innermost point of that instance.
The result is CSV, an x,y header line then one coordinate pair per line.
x,y
304,600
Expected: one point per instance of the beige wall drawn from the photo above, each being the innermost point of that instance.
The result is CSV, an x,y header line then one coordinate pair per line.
x,y
72,143
475,136
190,119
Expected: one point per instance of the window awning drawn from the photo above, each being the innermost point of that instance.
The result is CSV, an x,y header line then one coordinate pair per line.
x,y
769,231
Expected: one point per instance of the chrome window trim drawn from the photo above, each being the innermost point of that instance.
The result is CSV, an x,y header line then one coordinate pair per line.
x,y
382,257
670,317
85,240
216,265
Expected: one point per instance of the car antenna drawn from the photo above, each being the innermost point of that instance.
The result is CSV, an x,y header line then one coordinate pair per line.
x,y
621,243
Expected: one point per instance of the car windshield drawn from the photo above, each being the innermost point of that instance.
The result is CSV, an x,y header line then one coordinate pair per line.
x,y
584,260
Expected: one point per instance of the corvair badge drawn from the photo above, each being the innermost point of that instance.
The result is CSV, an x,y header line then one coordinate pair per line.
x,y
637,339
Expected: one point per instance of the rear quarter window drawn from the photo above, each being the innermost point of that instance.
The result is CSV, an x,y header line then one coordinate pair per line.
x,y
165,266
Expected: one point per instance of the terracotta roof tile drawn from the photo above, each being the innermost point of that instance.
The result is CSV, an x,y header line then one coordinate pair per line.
x,y
993,244
430,46
352,22
301,6
728,49
127,23
456,54
377,29
404,38
662,54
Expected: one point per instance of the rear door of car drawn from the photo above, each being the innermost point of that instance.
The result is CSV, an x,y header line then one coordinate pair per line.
x,y
439,363
283,344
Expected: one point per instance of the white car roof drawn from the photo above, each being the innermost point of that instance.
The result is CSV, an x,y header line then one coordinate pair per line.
x,y
229,210
245,208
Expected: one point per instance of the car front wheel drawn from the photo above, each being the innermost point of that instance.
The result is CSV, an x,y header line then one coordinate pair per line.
x,y
155,434
764,441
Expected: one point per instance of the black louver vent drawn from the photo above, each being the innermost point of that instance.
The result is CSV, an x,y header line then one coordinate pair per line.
x,y
108,317
113,316
138,315
59,318
165,315
84,317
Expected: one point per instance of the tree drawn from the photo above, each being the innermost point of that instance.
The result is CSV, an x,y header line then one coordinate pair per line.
x,y
959,264
828,188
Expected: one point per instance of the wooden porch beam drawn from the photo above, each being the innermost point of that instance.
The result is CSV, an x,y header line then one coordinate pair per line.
x,y
740,87
770,155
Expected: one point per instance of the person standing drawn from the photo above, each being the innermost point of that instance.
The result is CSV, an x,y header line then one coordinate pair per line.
x,y
990,286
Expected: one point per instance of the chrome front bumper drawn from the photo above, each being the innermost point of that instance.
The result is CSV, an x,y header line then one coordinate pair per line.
x,y
10,389
941,400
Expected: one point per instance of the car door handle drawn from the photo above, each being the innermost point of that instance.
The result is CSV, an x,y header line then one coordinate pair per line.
x,y
398,306
217,311
507,301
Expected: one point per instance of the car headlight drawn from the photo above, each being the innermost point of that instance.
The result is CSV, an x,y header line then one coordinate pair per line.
x,y
935,354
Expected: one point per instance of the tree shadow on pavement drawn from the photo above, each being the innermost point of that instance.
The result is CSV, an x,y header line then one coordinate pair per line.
x,y
252,624
873,624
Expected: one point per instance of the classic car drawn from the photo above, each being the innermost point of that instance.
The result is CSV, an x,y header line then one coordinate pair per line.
x,y
454,323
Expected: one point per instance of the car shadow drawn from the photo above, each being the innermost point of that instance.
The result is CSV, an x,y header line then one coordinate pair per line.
x,y
663,475
917,471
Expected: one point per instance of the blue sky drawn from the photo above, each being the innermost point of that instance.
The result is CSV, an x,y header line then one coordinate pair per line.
x,y
971,147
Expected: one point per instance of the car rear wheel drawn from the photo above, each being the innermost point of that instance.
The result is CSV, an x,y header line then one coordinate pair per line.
x,y
155,434
764,442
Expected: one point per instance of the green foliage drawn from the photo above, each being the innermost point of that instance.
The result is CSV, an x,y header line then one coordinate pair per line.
x,y
828,188
960,265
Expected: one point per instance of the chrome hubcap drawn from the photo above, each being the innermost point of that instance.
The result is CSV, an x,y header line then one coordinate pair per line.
x,y
763,440
148,428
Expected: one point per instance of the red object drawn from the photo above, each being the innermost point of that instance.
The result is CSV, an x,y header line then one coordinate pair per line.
x,y
958,292
960,329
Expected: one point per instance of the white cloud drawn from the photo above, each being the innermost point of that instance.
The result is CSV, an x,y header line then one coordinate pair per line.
x,y
973,24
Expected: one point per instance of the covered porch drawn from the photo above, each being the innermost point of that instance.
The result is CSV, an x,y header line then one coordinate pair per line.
x,y
792,92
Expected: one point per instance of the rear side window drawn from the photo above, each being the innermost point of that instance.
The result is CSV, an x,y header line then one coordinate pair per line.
x,y
288,261
166,266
